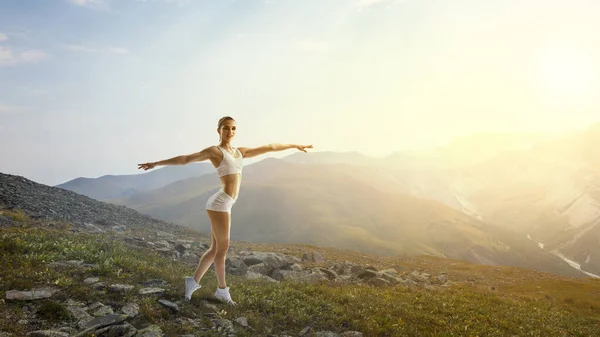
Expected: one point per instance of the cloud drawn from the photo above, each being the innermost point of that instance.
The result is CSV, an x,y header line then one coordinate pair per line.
x,y
87,2
3,37
86,49
118,50
309,45
178,2
79,48
10,58
32,56
12,109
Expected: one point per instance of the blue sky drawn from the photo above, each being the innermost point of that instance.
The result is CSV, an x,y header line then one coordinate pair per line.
x,y
93,87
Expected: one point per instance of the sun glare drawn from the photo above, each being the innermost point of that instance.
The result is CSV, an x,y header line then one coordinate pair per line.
x,y
566,70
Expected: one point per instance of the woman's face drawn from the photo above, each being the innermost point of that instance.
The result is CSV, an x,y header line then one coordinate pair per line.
x,y
227,130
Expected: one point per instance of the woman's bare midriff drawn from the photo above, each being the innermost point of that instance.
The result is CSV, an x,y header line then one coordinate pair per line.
x,y
231,184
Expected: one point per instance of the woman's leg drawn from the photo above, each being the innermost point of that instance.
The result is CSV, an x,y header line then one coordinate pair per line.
x,y
220,224
206,259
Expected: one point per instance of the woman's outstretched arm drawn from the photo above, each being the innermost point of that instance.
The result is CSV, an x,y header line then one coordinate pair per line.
x,y
249,152
180,160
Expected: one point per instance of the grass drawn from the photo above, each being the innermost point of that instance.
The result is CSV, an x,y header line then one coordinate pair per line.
x,y
16,215
523,303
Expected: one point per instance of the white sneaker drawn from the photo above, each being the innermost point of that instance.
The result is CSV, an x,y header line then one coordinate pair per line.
x,y
224,296
190,286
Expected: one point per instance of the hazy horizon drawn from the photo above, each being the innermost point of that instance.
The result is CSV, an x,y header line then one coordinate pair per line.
x,y
93,87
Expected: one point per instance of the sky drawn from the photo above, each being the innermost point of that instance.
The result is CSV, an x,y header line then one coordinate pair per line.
x,y
94,87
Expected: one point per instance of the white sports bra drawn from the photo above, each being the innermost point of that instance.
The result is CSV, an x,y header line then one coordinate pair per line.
x,y
230,164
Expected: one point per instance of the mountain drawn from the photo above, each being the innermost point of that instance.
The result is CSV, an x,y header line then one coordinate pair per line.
x,y
335,206
330,157
114,186
547,188
53,204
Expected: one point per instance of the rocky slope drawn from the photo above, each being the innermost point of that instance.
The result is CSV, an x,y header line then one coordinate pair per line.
x,y
44,202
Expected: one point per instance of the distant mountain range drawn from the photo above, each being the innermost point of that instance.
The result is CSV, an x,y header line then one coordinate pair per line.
x,y
115,186
523,200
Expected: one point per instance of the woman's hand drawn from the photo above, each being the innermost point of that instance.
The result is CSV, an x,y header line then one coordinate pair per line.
x,y
146,166
303,147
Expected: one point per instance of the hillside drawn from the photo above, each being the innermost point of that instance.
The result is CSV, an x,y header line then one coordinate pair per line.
x,y
543,188
42,202
338,206
115,186
130,283
66,279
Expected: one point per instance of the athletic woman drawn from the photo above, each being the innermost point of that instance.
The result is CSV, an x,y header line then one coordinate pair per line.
x,y
228,162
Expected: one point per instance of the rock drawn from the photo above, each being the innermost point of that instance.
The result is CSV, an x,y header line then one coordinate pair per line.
x,y
281,275
410,283
99,285
390,271
91,280
367,274
243,321
131,309
80,315
170,305
100,322
121,288
260,268
235,266
163,234
442,279
155,283
33,294
164,243
378,281
329,273
47,333
103,310
305,331
189,258
151,291
181,248
151,331
272,260
325,334
317,257
123,330
223,325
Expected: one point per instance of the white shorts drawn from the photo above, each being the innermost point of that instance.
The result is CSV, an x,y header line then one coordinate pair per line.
x,y
220,202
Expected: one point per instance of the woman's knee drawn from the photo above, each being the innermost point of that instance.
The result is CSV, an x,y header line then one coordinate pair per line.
x,y
222,249
211,252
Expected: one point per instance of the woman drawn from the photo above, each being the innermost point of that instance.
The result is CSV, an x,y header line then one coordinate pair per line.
x,y
228,162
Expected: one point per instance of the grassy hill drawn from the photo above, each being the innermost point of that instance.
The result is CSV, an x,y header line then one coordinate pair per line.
x,y
480,300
